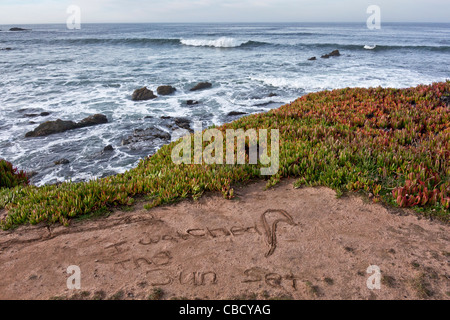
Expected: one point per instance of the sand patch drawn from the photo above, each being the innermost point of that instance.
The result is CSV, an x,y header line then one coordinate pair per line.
x,y
280,243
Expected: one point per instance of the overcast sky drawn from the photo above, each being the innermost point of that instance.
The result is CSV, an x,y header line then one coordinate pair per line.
x,y
92,11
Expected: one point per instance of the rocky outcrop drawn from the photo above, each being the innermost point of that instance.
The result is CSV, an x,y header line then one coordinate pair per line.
x,y
146,135
201,85
165,90
264,104
236,113
270,95
58,126
312,59
183,123
108,148
51,127
18,29
191,102
334,53
142,94
173,123
32,115
92,120
61,161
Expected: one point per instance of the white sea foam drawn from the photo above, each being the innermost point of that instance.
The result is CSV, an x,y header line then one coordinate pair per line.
x,y
367,47
360,77
281,82
223,42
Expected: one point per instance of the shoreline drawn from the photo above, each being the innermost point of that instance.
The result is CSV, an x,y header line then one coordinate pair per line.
x,y
164,121
305,154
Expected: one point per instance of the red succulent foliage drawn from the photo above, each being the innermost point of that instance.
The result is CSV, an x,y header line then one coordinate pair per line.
x,y
11,177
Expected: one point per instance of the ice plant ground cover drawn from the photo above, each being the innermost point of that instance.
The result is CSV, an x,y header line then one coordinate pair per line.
x,y
391,144
10,176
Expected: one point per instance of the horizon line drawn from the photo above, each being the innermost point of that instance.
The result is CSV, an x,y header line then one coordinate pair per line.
x,y
225,22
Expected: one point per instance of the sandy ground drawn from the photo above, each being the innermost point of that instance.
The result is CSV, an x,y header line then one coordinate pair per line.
x,y
282,243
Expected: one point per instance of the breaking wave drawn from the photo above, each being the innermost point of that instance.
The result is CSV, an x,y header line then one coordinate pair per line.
x,y
223,42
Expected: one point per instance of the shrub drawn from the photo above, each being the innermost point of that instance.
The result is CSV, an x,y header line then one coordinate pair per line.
x,y
11,177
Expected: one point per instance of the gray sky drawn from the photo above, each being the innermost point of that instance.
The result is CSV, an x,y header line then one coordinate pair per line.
x,y
55,11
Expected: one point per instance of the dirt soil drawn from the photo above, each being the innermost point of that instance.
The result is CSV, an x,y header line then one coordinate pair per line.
x,y
283,243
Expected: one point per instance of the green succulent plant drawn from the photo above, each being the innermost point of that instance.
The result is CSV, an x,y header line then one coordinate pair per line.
x,y
391,143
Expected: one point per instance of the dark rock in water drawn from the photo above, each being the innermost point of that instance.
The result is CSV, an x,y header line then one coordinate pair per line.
x,y
142,94
236,113
18,29
201,85
32,115
108,148
312,59
92,120
180,122
107,151
148,117
61,161
191,102
183,123
263,104
6,49
272,95
165,90
57,126
149,134
51,127
334,53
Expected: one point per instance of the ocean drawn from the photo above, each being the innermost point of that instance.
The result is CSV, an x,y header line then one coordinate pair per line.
x,y
52,73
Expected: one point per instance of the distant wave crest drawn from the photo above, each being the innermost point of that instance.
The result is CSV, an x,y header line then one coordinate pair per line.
x,y
223,42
